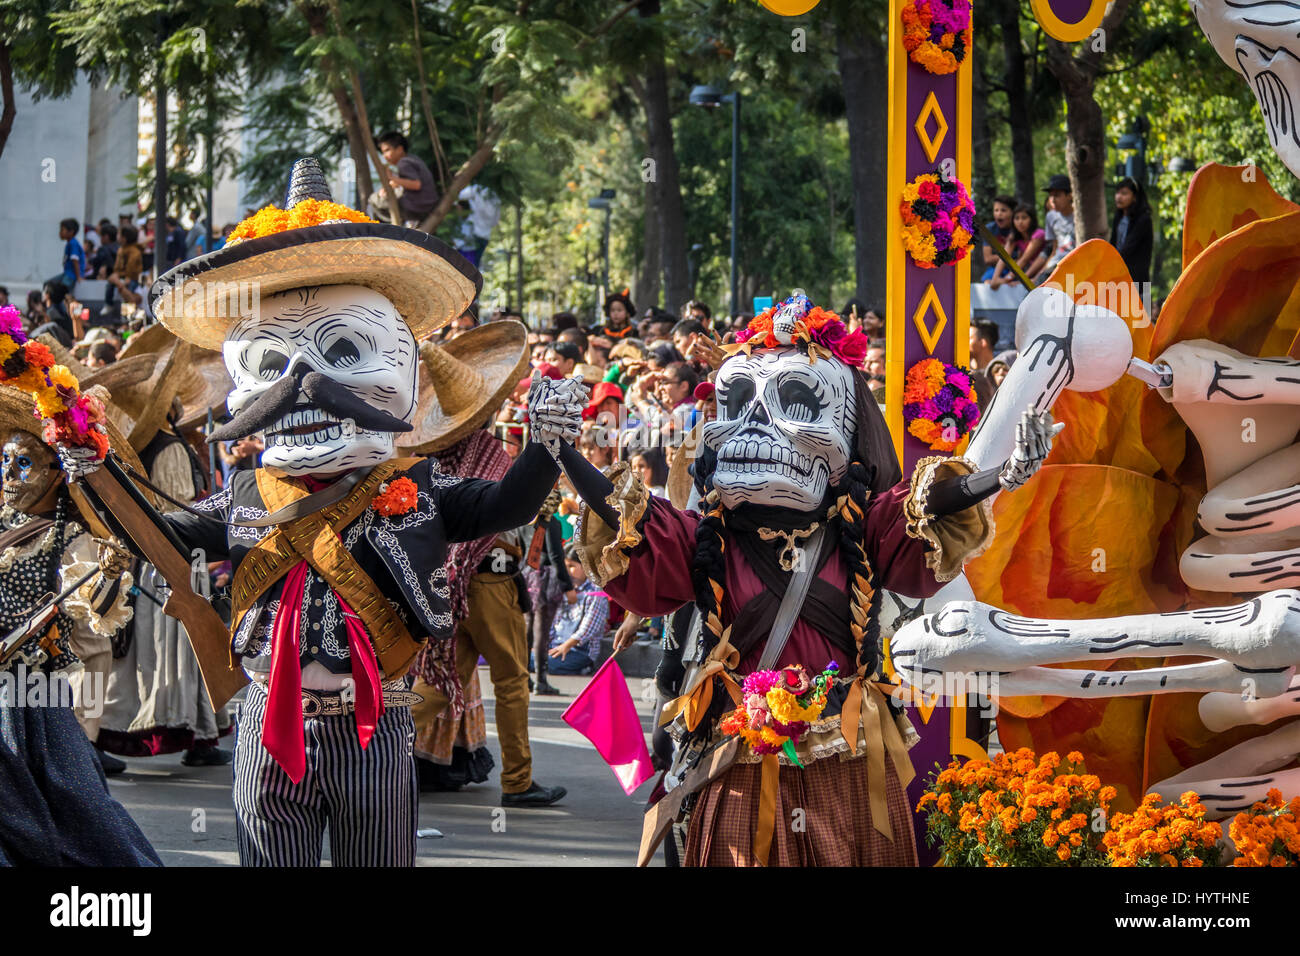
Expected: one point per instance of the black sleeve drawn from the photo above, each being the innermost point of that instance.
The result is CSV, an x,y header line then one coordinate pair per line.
x,y
555,551
474,508
950,495
205,533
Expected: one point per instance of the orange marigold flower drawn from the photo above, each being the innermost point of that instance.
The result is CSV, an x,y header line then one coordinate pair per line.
x,y
396,497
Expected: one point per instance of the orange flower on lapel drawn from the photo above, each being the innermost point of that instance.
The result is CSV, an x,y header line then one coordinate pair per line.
x,y
396,497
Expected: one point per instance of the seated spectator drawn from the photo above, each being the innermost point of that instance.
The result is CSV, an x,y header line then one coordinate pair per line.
x,y
129,261
700,312
417,196
1026,245
59,322
1059,226
562,321
564,356
1003,209
874,363
35,314
619,312
685,333
580,624
598,349
999,367
651,466
577,337
101,354
106,255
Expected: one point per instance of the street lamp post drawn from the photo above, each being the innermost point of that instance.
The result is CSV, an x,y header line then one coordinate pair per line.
x,y
604,201
712,97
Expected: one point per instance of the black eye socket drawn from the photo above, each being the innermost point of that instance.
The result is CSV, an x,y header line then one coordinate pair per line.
x,y
272,364
739,394
343,353
799,401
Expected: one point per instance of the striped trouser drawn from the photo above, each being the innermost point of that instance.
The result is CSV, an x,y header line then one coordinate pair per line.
x,y
368,798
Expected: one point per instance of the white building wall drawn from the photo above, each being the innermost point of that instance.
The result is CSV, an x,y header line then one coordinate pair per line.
x,y
63,158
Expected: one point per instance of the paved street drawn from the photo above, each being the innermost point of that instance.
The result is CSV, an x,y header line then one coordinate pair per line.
x,y
188,815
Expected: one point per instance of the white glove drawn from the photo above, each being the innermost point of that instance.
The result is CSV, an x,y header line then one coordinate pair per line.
x,y
1034,436
77,461
555,410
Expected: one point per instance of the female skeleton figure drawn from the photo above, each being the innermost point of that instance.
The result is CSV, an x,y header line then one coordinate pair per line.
x,y
805,494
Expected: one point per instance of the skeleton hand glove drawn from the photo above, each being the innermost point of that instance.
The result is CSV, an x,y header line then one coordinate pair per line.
x,y
77,462
1034,436
555,411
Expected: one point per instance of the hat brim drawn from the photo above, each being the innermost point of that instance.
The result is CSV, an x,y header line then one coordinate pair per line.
x,y
499,352
428,282
17,413
205,389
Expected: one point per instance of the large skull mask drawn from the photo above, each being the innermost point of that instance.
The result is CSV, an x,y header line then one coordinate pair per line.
x,y
784,430
1260,39
350,334
28,470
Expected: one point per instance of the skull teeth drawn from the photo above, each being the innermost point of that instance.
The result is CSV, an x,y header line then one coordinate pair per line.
x,y
330,432
750,455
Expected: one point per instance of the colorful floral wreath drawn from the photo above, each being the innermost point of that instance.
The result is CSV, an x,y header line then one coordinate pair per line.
x,y
937,33
778,708
70,418
822,332
270,220
939,404
938,220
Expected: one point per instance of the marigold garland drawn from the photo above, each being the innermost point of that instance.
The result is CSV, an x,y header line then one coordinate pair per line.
x,y
396,497
270,220
939,405
938,220
70,418
1269,834
778,707
937,34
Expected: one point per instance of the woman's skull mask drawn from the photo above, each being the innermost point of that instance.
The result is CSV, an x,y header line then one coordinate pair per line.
x,y
784,430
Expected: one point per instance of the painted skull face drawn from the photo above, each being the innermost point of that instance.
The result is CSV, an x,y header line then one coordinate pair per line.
x,y
352,337
1260,39
784,430
28,470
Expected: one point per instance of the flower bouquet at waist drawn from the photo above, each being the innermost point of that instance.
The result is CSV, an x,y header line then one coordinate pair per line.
x,y
778,708
70,417
1152,835
1269,833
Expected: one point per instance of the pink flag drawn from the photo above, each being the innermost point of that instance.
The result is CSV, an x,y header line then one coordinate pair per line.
x,y
606,715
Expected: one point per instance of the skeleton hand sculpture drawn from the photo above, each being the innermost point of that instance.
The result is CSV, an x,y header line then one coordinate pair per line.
x,y
555,411
1034,437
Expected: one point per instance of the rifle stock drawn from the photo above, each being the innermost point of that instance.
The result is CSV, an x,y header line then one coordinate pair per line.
x,y
158,545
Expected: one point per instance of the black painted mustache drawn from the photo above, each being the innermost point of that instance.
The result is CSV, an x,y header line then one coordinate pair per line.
x,y
322,392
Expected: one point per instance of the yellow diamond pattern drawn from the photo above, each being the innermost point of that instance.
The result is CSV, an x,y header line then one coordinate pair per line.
x,y
931,110
930,303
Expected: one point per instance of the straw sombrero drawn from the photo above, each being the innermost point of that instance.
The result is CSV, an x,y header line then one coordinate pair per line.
x,y
206,387
314,242
142,387
680,482
463,382
16,414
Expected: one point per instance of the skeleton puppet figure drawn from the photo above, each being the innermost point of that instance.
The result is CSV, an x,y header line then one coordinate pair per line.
x,y
805,480
338,546
58,811
1260,39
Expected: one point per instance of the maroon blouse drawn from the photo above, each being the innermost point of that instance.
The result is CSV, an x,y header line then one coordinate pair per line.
x,y
658,579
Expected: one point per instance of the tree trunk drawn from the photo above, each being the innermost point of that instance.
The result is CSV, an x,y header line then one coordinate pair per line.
x,y
985,186
7,91
862,62
1006,14
649,282
1085,130
1085,160
666,183
464,176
